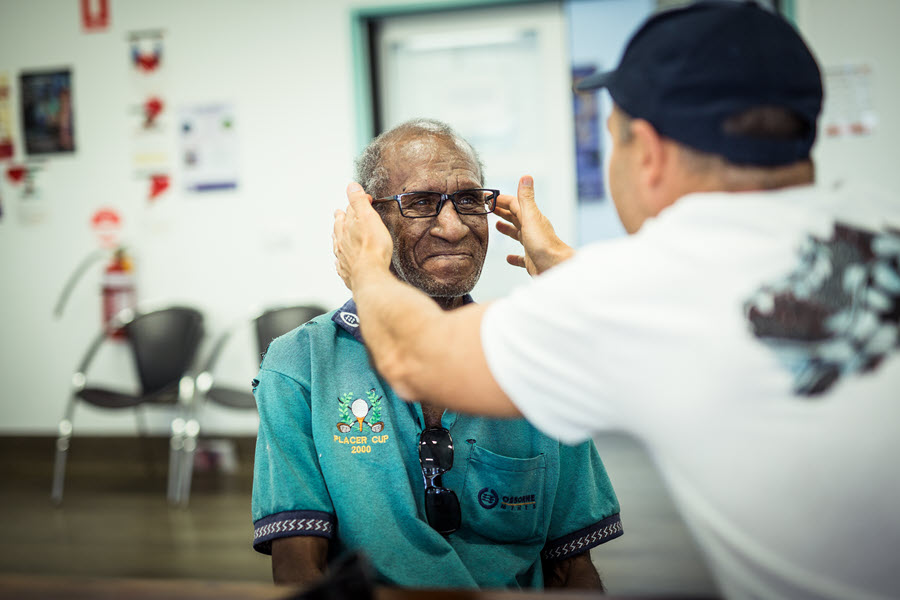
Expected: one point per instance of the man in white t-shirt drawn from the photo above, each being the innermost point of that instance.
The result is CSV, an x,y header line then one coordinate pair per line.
x,y
747,332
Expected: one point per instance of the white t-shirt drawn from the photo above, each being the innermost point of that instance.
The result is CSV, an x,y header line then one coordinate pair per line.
x,y
750,341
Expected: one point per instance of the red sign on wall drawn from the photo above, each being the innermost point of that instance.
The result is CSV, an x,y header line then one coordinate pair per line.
x,y
95,15
107,225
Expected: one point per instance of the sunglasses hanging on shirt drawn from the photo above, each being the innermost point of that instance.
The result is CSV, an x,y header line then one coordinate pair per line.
x,y
436,457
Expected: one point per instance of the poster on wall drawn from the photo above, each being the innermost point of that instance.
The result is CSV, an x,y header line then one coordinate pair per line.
x,y
149,110
47,107
588,141
7,147
209,151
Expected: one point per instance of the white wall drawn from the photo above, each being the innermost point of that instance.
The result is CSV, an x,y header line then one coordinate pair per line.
x,y
842,32
286,65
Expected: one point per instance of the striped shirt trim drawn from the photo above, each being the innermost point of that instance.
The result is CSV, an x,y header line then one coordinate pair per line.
x,y
289,524
583,540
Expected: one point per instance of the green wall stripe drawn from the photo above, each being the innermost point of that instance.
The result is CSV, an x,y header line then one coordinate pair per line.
x,y
789,10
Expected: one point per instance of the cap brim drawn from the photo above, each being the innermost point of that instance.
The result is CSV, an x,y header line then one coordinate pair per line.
x,y
595,81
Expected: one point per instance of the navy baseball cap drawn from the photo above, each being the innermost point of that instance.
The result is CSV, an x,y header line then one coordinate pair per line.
x,y
687,70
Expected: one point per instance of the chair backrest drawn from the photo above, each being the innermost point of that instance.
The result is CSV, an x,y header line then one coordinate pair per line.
x,y
278,321
164,343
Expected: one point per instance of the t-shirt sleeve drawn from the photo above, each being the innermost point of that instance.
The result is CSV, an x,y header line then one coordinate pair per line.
x,y
290,497
586,511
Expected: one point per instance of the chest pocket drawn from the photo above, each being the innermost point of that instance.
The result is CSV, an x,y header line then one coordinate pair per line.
x,y
503,497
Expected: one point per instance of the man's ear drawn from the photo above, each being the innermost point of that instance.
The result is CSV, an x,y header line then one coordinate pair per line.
x,y
650,153
656,165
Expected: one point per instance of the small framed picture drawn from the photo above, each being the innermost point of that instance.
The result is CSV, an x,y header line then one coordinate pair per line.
x,y
47,111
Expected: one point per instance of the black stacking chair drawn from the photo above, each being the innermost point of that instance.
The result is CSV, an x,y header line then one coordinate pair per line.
x,y
163,344
268,325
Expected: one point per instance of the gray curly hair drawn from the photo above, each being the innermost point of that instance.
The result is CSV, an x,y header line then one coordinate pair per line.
x,y
374,177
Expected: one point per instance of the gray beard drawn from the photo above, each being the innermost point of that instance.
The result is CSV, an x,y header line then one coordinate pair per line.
x,y
433,288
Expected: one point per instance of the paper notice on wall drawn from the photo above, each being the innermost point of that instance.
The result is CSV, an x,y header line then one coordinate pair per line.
x,y
848,108
149,108
7,147
209,149
32,207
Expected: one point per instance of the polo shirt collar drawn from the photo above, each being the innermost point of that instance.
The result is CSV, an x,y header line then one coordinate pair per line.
x,y
345,317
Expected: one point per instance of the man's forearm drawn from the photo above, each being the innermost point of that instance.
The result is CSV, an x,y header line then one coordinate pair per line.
x,y
394,318
298,560
575,572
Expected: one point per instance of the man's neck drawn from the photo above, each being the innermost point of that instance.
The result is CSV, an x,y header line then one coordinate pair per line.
x,y
432,415
449,303
431,412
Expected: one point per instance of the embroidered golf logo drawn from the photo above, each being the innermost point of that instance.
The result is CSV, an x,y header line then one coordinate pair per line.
x,y
356,412
363,412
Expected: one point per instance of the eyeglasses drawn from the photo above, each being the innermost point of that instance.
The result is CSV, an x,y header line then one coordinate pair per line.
x,y
417,205
436,458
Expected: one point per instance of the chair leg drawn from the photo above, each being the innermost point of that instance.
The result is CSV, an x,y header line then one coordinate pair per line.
x,y
176,449
192,431
184,441
62,450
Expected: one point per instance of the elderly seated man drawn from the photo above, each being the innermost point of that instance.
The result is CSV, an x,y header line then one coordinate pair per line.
x,y
433,498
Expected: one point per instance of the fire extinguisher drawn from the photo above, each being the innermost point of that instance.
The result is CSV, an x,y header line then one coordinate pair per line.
x,y
118,290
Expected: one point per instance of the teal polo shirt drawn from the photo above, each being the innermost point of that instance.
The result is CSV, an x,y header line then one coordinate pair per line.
x,y
337,457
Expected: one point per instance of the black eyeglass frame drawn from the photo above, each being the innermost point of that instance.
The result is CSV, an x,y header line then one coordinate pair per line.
x,y
441,504
398,198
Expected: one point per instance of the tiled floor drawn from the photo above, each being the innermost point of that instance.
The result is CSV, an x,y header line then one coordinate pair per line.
x,y
115,522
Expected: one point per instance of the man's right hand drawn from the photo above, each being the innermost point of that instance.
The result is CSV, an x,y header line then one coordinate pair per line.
x,y
361,242
523,222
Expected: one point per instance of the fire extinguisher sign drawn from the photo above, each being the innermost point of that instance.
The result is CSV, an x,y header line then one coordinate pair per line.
x,y
107,226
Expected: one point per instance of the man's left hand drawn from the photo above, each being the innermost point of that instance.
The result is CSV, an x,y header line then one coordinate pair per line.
x,y
361,241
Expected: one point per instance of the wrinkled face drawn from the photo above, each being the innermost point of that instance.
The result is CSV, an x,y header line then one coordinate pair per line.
x,y
441,255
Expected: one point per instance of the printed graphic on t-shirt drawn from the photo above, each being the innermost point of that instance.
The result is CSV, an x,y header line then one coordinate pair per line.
x,y
837,313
